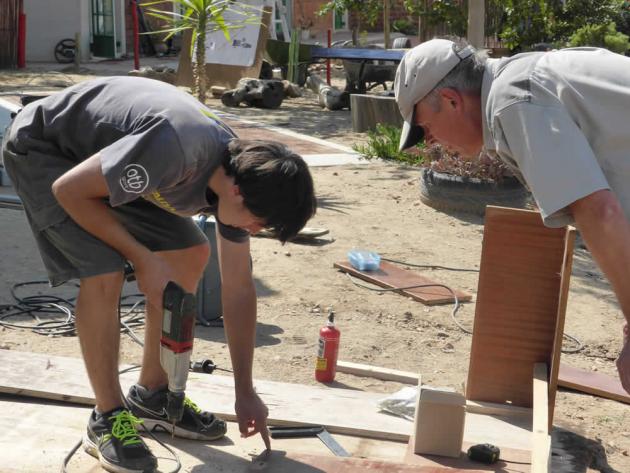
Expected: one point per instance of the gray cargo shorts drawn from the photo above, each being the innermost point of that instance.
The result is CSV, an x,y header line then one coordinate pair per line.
x,y
68,251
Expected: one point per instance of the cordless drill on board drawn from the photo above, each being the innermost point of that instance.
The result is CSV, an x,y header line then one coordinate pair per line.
x,y
178,327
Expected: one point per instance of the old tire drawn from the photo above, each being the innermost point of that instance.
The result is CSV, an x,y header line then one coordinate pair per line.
x,y
446,192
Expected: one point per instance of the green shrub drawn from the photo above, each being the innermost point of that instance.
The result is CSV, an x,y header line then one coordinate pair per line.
x,y
603,36
405,26
383,143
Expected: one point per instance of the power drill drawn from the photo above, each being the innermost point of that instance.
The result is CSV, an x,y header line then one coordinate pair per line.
x,y
178,327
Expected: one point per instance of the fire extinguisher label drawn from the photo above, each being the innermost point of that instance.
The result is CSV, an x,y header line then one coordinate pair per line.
x,y
322,364
322,347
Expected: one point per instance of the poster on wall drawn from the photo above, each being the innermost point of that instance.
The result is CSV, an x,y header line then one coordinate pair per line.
x,y
240,48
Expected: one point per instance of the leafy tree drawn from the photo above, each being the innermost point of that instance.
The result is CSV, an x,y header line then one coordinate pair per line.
x,y
365,10
200,17
450,13
525,22
603,36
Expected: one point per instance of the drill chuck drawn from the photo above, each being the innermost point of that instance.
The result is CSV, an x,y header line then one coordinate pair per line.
x,y
175,406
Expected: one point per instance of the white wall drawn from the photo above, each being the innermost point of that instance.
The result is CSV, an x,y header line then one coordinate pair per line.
x,y
48,22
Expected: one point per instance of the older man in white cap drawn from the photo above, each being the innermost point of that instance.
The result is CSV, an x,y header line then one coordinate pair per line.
x,y
558,119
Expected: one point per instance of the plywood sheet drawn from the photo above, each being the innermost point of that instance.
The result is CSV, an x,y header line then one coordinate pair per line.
x,y
389,276
590,382
518,304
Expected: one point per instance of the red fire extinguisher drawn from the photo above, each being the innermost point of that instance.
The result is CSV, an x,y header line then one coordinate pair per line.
x,y
328,348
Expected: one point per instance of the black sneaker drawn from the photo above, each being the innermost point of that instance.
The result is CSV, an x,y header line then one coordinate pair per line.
x,y
113,439
195,424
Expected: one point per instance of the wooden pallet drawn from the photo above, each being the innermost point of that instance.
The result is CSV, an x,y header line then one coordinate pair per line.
x,y
390,276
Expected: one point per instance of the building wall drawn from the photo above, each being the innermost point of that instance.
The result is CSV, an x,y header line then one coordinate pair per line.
x,y
46,25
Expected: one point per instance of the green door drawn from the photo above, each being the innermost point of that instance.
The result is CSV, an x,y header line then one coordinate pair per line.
x,y
103,37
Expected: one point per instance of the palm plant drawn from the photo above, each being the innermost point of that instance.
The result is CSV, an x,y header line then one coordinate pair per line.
x,y
201,17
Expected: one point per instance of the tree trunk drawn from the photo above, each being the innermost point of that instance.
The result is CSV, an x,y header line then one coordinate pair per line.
x,y
386,19
476,17
200,64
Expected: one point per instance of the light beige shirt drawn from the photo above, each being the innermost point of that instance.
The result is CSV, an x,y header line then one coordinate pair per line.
x,y
561,121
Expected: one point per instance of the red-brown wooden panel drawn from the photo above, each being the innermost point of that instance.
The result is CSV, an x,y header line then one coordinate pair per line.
x,y
519,299
389,276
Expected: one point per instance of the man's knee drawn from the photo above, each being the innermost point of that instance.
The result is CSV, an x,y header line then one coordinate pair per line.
x,y
188,263
103,289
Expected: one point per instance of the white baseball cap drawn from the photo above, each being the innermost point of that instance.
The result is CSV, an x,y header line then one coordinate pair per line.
x,y
420,70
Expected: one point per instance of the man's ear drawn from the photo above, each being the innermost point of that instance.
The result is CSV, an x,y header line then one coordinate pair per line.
x,y
451,98
235,191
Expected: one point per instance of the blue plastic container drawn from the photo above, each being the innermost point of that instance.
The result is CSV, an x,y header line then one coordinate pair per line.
x,y
364,260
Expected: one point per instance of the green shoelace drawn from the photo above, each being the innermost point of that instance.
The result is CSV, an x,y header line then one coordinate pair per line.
x,y
192,405
124,428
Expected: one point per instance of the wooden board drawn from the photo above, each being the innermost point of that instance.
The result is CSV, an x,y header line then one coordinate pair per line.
x,y
588,382
511,460
541,440
565,279
389,276
341,411
519,301
360,369
282,462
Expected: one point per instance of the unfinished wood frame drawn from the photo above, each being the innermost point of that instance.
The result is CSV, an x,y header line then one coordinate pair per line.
x,y
521,301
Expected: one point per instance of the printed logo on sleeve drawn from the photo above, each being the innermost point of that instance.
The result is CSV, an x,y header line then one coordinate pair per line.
x,y
135,179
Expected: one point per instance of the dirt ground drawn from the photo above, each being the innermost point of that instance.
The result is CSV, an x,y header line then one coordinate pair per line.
x,y
373,206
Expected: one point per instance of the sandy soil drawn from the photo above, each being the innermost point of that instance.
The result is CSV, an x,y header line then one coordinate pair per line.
x,y
372,206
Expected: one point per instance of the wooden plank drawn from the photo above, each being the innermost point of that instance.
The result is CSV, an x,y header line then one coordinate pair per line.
x,y
285,462
565,279
341,411
389,276
359,369
541,440
511,460
589,382
493,409
518,305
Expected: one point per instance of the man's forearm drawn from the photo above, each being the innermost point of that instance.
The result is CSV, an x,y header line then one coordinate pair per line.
x,y
239,316
606,232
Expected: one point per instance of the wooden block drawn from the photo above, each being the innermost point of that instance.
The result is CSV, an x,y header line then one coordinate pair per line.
x,y
389,275
541,441
519,315
359,369
588,382
439,423
369,110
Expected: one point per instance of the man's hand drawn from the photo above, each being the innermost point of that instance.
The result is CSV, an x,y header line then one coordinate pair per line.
x,y
252,413
623,362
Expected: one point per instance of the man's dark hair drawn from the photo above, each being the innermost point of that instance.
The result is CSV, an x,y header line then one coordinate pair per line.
x,y
275,183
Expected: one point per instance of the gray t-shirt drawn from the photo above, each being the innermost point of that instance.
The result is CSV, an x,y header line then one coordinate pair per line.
x,y
155,141
560,120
